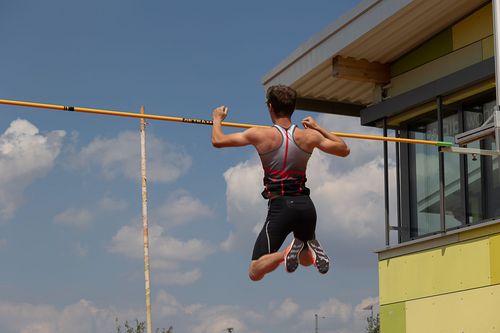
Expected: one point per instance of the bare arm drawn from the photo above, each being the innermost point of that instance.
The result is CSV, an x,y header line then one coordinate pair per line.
x,y
221,140
327,141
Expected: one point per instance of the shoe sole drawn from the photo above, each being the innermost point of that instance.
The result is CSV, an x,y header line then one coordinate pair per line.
x,y
321,261
292,257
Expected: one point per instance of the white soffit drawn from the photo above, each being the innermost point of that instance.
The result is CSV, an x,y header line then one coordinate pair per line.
x,y
376,30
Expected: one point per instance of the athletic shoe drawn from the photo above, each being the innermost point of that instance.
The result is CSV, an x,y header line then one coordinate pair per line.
x,y
292,255
321,260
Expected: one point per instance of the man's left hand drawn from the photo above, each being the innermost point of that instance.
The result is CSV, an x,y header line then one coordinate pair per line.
x,y
220,113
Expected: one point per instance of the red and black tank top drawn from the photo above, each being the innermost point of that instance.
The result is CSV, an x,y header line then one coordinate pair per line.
x,y
285,167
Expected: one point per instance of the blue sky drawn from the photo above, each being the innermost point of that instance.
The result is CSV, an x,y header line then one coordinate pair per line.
x,y
70,225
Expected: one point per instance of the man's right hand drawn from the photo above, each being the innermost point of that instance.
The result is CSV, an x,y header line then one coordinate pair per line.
x,y
309,122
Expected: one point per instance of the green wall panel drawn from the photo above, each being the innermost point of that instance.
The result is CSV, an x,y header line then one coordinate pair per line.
x,y
434,48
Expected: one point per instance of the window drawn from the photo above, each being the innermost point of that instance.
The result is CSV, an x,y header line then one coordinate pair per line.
x,y
424,173
471,184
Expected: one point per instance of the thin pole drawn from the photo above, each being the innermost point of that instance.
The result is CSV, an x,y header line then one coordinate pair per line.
x,y
316,323
206,122
149,324
442,196
496,38
398,186
386,186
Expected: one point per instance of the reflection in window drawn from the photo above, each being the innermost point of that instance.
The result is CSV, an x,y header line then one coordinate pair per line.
x,y
472,184
426,203
482,172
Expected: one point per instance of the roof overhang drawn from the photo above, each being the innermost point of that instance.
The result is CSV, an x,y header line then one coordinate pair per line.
x,y
376,32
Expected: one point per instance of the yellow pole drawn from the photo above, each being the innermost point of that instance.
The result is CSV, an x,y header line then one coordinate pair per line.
x,y
208,122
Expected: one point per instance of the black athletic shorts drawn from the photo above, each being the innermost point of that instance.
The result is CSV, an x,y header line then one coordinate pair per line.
x,y
285,214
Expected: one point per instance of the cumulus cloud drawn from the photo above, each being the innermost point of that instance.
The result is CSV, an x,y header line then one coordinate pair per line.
x,y
80,249
246,208
286,309
112,204
74,217
85,316
169,255
181,208
166,252
129,242
81,317
25,155
121,156
331,309
84,217
177,277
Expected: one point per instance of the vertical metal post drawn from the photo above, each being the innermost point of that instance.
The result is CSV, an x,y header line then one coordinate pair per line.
x,y
442,198
464,173
398,188
315,323
496,38
149,325
386,186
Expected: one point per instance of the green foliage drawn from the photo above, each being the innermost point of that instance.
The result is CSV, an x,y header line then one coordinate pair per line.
x,y
373,324
138,327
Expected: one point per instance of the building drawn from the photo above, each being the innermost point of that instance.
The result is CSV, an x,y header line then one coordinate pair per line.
x,y
424,69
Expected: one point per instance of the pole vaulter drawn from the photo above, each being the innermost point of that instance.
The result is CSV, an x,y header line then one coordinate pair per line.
x,y
207,122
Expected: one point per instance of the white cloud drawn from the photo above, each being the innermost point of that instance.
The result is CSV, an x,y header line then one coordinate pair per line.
x,y
285,310
177,278
84,316
351,202
331,309
80,249
121,156
129,242
166,252
168,255
74,217
81,317
25,154
219,323
246,208
181,209
112,204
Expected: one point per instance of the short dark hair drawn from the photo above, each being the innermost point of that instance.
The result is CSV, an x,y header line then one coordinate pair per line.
x,y
283,99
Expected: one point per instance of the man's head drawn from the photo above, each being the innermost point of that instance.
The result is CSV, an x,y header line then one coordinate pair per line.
x,y
282,99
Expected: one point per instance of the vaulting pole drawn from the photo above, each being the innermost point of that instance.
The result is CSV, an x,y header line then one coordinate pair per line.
x,y
207,122
144,191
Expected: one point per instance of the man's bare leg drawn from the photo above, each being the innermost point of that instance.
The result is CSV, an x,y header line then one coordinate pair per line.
x,y
265,264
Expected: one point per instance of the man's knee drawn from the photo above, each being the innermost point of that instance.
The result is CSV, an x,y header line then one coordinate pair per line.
x,y
252,275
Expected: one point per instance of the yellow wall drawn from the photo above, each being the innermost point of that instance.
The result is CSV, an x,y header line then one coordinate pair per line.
x,y
470,311
433,272
451,288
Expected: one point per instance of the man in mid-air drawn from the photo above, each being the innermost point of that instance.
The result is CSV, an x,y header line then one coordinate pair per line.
x,y
284,150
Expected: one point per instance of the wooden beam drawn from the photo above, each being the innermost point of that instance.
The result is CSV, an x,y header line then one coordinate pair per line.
x,y
360,70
